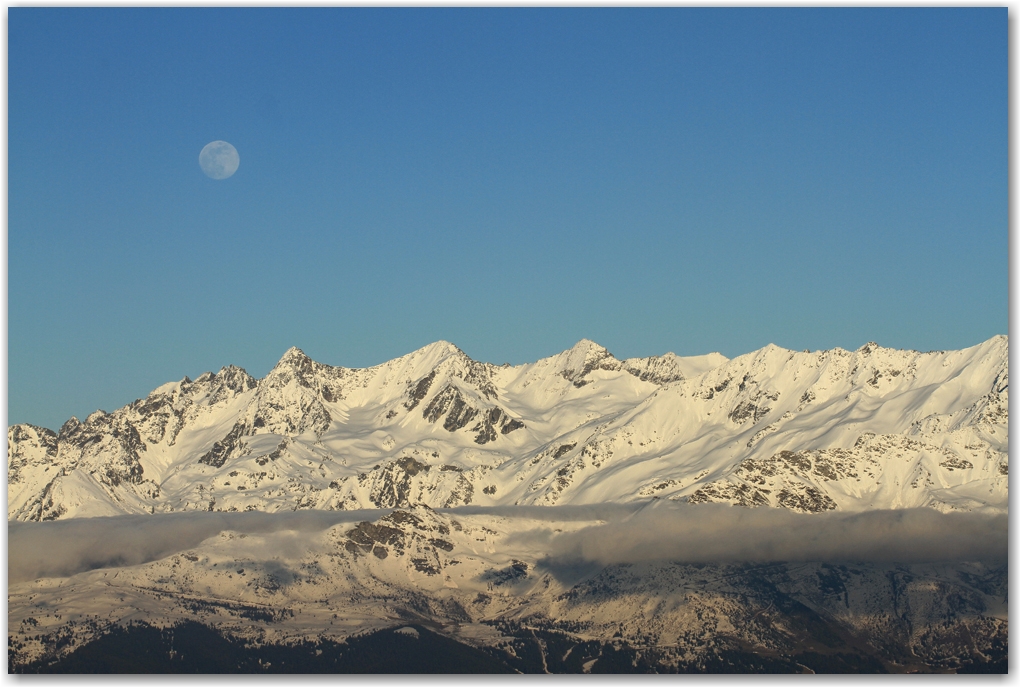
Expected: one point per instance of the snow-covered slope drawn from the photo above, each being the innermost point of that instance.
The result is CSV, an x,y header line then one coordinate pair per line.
x,y
483,579
828,430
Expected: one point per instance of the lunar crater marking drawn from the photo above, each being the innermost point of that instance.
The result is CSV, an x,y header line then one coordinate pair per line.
x,y
219,160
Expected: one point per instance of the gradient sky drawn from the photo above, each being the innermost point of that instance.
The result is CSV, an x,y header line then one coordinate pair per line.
x,y
686,180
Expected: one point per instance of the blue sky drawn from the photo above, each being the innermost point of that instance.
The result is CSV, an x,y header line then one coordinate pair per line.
x,y
672,179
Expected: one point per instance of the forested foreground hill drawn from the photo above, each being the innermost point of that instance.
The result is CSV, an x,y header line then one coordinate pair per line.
x,y
191,647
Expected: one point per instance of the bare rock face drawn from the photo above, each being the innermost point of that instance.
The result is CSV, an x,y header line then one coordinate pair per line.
x,y
292,397
415,535
29,444
583,359
457,412
659,369
405,482
450,402
230,446
416,393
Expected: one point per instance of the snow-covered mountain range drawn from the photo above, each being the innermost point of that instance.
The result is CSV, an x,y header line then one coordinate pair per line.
x,y
807,431
551,514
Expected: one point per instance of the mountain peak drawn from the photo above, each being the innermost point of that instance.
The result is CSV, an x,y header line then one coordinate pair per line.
x,y
441,346
293,358
583,357
294,353
294,365
587,351
435,352
460,419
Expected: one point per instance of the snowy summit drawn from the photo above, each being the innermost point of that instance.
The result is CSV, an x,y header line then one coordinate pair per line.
x,y
828,430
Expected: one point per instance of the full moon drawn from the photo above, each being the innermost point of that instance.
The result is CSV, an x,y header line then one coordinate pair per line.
x,y
219,160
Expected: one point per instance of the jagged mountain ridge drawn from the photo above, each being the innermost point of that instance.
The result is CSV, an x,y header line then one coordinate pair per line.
x,y
829,430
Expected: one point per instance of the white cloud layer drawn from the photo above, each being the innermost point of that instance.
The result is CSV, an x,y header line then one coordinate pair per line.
x,y
65,547
713,533
708,533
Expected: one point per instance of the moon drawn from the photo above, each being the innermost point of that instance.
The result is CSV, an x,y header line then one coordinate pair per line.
x,y
219,160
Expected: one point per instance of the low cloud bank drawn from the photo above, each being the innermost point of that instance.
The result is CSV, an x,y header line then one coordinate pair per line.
x,y
629,533
65,547
712,533
570,513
